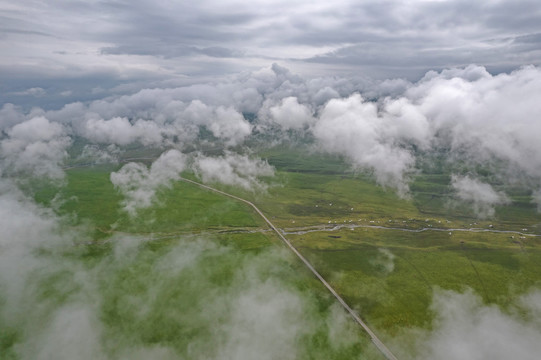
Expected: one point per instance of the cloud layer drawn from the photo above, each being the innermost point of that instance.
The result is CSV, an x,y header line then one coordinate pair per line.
x,y
477,119
124,47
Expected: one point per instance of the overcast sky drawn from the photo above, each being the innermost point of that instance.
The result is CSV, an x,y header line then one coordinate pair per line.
x,y
67,50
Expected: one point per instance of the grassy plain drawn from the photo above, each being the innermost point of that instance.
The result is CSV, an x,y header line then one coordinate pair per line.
x,y
175,275
388,275
89,198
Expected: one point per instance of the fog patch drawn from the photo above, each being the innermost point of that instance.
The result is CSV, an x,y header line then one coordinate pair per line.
x,y
96,155
26,228
186,256
531,302
268,319
10,115
342,332
233,169
536,199
384,260
126,246
265,323
73,332
480,195
157,352
465,328
139,184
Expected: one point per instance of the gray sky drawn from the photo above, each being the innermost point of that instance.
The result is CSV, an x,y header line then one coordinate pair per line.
x,y
54,52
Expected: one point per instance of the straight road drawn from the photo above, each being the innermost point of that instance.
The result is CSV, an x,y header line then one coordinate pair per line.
x,y
379,344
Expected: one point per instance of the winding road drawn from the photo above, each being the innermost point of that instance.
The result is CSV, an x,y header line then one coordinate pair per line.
x,y
377,342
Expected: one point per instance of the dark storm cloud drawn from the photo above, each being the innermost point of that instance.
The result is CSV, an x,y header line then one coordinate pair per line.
x,y
432,35
136,42
169,51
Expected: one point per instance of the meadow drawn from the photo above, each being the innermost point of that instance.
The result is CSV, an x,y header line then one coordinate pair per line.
x,y
387,274
355,233
196,275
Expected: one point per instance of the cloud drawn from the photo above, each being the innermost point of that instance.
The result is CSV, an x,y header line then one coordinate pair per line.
x,y
248,335
481,195
161,117
139,183
224,122
10,115
289,114
37,147
120,131
233,169
26,228
465,328
35,91
484,115
531,302
477,118
72,332
352,127
384,260
141,44
100,155
536,199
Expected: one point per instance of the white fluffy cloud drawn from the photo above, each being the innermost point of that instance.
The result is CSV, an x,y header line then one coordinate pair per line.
x,y
139,183
288,114
35,91
481,195
233,169
224,122
353,127
465,328
485,115
121,132
478,117
37,147
157,117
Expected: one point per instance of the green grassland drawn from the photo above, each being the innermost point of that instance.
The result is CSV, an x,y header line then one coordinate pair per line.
x,y
388,275
174,275
314,189
395,296
89,198
186,295
177,300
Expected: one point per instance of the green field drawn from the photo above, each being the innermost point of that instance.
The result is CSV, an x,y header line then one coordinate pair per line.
x,y
387,274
